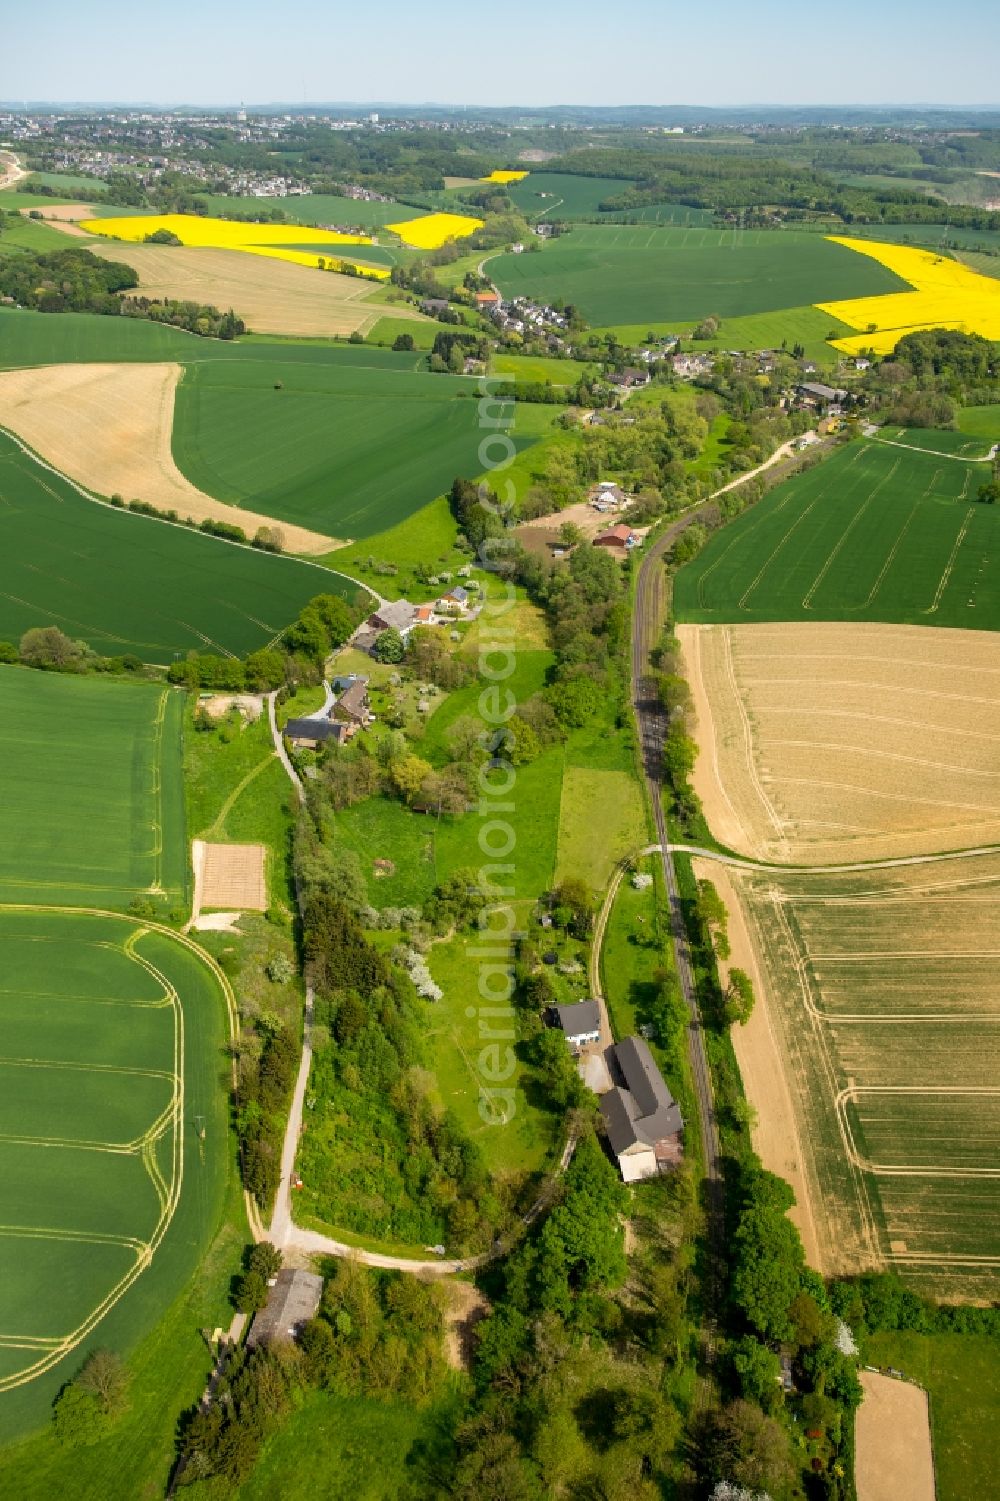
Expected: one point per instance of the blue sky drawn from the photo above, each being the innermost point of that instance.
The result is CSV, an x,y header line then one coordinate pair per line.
x,y
711,52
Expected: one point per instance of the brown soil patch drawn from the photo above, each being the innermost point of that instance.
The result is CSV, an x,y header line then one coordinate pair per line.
x,y
218,705
271,296
233,876
894,1457
67,213
466,1308
763,1067
823,743
462,182
109,427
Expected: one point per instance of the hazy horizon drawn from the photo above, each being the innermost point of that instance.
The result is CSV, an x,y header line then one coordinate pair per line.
x,y
204,53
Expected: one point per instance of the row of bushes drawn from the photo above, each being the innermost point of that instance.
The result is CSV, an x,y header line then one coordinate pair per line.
x,y
265,539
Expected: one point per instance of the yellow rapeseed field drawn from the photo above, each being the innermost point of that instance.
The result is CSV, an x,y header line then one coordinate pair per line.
x,y
433,230
256,239
504,177
220,234
945,295
314,258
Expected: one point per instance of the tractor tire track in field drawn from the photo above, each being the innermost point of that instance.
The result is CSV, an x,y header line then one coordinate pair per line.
x,y
51,1351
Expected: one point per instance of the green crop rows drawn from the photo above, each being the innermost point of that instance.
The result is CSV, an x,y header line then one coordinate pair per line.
x,y
126,583
112,1031
346,450
877,532
630,274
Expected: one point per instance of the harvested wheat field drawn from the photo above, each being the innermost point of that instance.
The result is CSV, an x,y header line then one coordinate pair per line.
x,y
108,427
872,1066
232,875
893,1454
824,743
271,295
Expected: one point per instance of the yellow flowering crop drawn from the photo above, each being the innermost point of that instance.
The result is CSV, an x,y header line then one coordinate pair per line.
x,y
222,234
430,232
504,177
313,258
945,294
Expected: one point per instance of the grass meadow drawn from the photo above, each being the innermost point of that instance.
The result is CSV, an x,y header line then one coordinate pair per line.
x,y
980,422
877,532
127,583
622,275
343,1448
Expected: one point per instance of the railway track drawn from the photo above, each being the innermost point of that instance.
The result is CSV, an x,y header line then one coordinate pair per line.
x,y
647,623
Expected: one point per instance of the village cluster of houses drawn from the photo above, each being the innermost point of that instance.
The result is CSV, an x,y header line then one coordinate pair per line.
x,y
520,315
350,709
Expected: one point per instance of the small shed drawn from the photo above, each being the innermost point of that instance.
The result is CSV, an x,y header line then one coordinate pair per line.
x,y
292,1301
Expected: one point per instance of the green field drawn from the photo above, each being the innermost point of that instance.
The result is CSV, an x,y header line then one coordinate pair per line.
x,y
73,748
113,1032
876,532
30,234
560,196
127,583
782,329
557,195
980,422
527,367
29,338
341,1448
987,263
928,234
318,209
346,450
630,275
961,1375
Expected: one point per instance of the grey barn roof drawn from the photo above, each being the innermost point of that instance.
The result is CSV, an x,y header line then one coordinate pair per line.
x,y
395,614
313,729
353,702
292,1302
581,1017
825,393
640,1110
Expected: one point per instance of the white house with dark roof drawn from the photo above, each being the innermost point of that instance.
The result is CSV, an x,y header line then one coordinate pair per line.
x,y
580,1022
641,1116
